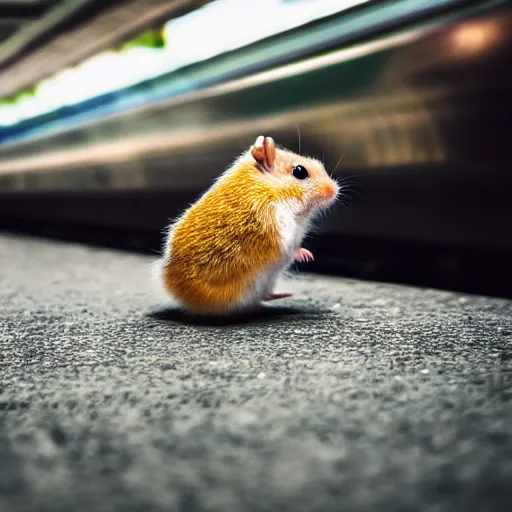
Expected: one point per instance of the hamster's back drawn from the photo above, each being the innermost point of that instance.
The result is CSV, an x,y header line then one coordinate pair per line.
x,y
221,244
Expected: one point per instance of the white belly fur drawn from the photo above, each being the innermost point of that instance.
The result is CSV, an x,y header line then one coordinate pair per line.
x,y
291,233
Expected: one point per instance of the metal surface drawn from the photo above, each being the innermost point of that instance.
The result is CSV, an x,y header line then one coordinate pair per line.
x,y
360,23
41,37
421,115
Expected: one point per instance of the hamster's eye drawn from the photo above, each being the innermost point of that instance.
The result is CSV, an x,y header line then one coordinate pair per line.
x,y
300,172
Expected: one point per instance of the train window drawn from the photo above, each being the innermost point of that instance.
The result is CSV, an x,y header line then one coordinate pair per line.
x,y
218,27
231,24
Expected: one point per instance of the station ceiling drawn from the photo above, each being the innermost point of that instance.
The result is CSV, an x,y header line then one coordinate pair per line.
x,y
40,37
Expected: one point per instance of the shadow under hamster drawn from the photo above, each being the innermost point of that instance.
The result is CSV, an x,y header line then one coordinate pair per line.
x,y
263,314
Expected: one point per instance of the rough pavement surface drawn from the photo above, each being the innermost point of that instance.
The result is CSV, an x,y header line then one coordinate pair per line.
x,y
355,396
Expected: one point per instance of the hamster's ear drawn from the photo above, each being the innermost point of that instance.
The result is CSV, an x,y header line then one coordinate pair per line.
x,y
264,152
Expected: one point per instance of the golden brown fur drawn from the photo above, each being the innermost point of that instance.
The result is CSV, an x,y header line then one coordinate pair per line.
x,y
232,237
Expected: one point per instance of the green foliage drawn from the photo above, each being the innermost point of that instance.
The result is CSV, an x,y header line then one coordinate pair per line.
x,y
16,98
148,39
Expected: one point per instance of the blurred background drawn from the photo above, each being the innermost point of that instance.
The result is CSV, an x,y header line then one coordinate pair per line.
x,y
114,116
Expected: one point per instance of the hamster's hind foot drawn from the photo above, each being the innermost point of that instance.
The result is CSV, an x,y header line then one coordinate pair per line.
x,y
276,296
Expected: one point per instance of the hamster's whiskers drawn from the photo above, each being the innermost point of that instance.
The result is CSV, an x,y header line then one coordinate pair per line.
x,y
336,167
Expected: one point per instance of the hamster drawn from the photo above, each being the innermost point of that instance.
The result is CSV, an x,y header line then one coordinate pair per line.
x,y
225,253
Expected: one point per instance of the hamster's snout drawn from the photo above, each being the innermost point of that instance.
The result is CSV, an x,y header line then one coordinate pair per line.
x,y
329,190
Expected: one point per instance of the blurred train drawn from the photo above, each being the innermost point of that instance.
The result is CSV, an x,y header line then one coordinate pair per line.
x,y
413,96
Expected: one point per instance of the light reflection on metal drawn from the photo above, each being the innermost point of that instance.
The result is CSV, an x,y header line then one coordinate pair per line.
x,y
475,37
279,73
405,118
124,150
450,47
383,124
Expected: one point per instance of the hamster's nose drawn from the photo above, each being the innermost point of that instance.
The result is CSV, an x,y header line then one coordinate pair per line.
x,y
329,190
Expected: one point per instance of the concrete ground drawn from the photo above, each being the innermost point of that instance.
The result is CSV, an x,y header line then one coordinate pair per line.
x,y
350,396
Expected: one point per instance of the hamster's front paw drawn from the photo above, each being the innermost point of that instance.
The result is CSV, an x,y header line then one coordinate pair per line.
x,y
303,255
